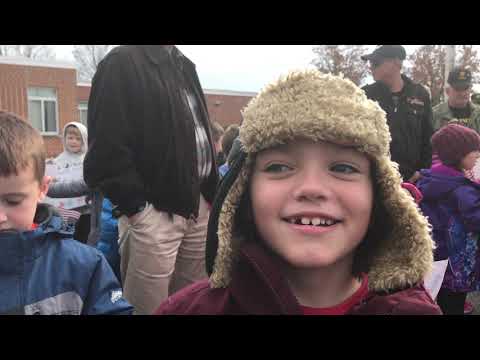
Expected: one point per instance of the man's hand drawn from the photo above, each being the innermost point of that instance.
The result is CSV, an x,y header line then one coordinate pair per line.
x,y
132,219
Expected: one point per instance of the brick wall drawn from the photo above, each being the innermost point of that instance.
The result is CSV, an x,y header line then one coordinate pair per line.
x,y
16,78
14,81
83,92
225,109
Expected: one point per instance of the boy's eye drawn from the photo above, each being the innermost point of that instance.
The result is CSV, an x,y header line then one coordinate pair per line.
x,y
13,202
344,168
277,168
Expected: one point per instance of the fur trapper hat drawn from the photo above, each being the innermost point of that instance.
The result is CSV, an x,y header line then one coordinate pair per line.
x,y
322,107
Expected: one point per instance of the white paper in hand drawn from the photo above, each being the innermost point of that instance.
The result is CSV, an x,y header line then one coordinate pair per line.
x,y
69,173
433,281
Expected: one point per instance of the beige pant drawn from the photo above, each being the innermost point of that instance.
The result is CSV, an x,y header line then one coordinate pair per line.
x,y
160,255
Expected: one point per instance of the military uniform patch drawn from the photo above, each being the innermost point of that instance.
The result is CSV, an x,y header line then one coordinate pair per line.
x,y
415,101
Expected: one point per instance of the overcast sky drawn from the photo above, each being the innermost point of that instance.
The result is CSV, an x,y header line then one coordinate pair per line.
x,y
238,67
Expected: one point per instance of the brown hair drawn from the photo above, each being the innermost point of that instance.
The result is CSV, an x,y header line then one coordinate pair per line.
x,y
227,141
20,146
72,129
379,229
217,131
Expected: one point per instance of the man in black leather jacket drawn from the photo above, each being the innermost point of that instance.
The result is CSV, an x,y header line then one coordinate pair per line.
x,y
151,152
408,108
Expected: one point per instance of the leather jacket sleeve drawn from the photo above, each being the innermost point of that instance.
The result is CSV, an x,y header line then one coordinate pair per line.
x,y
110,163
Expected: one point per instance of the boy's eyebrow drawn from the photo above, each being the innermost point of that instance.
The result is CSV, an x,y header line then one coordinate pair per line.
x,y
15,194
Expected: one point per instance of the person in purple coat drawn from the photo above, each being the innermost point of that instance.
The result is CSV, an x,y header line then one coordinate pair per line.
x,y
451,201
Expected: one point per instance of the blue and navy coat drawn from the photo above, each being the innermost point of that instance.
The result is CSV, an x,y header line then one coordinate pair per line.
x,y
45,272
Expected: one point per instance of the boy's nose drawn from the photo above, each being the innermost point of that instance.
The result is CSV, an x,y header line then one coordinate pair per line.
x,y
3,216
312,186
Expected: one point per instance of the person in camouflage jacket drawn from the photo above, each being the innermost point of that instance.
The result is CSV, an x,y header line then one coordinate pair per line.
x,y
459,107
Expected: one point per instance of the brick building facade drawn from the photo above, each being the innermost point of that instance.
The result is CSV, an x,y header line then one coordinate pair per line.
x,y
47,94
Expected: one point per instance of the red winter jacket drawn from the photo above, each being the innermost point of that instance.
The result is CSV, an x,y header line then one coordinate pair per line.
x,y
258,287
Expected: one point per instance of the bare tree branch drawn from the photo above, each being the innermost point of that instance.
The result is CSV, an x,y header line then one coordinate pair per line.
x,y
37,52
88,57
428,67
343,59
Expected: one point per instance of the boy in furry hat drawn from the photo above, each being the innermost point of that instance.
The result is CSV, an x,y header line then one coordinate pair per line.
x,y
311,218
450,200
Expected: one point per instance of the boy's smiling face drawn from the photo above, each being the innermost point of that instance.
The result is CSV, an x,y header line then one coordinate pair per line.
x,y
19,196
312,201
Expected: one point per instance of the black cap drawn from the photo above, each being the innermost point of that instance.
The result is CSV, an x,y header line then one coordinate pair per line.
x,y
386,52
460,78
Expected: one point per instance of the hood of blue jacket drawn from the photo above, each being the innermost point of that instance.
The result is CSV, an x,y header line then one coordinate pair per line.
x,y
15,244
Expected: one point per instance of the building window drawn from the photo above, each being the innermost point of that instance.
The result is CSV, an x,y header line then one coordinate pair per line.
x,y
42,109
83,110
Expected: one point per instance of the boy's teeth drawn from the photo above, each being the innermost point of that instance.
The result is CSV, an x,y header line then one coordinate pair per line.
x,y
316,221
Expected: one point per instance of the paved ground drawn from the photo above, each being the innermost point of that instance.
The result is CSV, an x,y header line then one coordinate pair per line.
x,y
474,298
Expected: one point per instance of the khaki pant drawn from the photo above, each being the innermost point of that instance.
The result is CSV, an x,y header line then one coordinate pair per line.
x,y
161,255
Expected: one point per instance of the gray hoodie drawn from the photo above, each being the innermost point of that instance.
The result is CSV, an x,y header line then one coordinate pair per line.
x,y
68,188
78,187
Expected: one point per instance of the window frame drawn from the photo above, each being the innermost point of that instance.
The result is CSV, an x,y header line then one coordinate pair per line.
x,y
82,106
42,100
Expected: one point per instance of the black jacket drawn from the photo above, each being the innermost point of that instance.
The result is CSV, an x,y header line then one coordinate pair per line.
x,y
142,143
410,123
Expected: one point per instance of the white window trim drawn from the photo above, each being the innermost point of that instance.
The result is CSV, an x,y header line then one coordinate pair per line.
x,y
42,99
82,106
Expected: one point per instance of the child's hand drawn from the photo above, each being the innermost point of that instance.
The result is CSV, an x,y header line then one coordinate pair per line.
x,y
415,177
469,174
413,191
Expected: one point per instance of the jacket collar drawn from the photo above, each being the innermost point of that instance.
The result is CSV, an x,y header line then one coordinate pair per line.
x,y
445,170
158,54
259,287
444,109
383,89
17,246
258,284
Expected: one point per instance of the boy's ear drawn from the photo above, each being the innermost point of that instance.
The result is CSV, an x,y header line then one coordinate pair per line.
x,y
44,184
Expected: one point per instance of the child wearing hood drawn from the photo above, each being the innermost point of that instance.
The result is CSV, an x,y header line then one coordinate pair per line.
x,y
72,188
97,226
451,201
311,218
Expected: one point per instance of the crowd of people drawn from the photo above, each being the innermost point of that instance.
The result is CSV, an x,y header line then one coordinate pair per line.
x,y
327,199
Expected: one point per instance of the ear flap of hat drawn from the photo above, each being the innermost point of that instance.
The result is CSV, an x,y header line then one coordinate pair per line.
x,y
406,256
213,222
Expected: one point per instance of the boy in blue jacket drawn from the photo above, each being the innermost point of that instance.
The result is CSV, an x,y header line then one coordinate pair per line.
x,y
42,269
